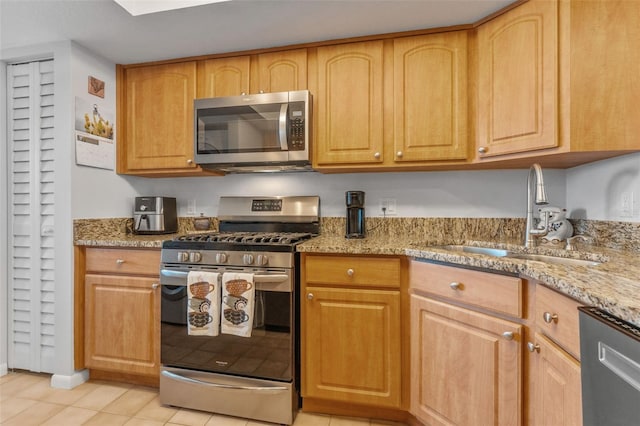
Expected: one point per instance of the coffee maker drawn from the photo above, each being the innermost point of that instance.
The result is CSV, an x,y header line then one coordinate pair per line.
x,y
155,215
355,214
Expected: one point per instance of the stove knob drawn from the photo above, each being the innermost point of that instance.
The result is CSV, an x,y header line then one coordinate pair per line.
x,y
183,256
195,257
247,259
262,260
221,258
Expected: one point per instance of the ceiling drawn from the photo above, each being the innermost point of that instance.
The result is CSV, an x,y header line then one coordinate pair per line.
x,y
108,30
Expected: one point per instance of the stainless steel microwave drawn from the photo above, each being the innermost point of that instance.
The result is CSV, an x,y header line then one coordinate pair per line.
x,y
261,132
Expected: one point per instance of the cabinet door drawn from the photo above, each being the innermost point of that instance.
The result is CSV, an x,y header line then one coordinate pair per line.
x,y
281,71
348,119
518,80
159,117
430,97
465,366
351,346
122,324
557,386
223,77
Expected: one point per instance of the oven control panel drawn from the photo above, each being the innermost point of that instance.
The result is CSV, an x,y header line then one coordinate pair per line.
x,y
231,258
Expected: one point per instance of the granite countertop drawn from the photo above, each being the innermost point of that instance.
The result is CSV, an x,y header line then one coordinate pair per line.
x,y
613,285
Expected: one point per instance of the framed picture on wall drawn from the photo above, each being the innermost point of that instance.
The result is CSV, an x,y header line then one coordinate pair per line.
x,y
96,87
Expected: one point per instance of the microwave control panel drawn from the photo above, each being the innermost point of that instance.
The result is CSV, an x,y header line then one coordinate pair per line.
x,y
297,126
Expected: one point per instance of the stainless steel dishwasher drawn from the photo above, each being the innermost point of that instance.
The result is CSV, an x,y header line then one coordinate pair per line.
x,y
610,362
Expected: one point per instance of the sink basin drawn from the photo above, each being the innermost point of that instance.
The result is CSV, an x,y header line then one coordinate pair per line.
x,y
554,259
524,256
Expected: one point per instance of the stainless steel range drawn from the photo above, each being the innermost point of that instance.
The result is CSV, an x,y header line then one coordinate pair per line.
x,y
254,376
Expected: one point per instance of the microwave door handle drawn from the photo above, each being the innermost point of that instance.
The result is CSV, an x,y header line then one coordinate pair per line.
x,y
282,130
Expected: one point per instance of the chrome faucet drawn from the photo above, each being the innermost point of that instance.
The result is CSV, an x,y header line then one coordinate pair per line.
x,y
535,173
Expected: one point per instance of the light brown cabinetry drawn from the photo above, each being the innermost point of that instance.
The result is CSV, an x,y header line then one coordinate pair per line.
x,y
555,367
351,346
155,120
391,104
122,312
466,365
541,65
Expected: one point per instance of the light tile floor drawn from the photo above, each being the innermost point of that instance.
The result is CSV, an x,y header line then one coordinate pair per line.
x,y
28,399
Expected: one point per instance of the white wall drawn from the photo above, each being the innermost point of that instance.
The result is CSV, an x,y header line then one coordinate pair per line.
x,y
595,191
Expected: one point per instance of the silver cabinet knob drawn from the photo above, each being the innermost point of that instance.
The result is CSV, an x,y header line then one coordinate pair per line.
x,y
399,154
533,347
482,150
508,335
455,285
189,161
376,155
548,317
310,296
155,285
350,272
119,261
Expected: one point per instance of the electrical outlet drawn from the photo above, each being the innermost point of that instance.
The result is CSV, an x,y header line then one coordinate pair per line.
x,y
388,207
626,204
191,208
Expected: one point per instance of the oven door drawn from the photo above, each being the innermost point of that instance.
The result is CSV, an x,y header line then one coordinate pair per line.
x,y
267,354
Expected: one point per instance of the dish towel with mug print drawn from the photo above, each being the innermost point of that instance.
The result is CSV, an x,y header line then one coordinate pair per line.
x,y
203,310
238,299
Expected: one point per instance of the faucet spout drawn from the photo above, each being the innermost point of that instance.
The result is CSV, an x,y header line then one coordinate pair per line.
x,y
535,177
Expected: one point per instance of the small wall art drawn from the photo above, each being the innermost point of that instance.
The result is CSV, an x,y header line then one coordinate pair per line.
x,y
96,87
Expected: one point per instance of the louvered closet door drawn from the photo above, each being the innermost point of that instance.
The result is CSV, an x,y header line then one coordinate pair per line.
x,y
31,219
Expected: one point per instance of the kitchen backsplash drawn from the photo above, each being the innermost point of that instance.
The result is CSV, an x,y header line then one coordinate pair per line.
x,y
615,235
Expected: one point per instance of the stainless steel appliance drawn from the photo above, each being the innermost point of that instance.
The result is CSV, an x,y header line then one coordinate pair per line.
x,y
155,215
355,214
610,369
260,132
254,377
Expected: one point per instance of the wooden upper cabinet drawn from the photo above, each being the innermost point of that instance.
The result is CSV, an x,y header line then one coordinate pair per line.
x,y
518,80
155,115
223,77
281,71
430,97
348,101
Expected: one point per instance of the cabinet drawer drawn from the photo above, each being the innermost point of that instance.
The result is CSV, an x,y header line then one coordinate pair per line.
x,y
498,293
352,270
557,317
123,261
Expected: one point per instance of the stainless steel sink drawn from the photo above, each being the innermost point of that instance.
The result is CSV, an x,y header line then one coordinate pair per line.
x,y
524,256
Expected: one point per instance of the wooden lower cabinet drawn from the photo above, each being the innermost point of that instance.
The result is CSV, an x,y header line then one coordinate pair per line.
x,y
556,385
121,308
353,346
465,366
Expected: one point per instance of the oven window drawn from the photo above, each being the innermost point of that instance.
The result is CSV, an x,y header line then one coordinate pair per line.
x,y
239,129
267,354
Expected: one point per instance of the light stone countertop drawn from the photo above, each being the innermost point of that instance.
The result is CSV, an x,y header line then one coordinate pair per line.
x,y
613,285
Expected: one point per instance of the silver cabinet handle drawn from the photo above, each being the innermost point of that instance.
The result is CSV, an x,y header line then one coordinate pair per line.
x,y
350,272
310,296
508,335
376,155
119,261
482,150
189,161
549,317
533,347
455,285
155,285
399,154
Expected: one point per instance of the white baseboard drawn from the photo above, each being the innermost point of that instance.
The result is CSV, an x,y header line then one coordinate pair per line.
x,y
69,382
4,370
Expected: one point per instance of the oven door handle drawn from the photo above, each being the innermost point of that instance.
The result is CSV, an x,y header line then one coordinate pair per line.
x,y
268,278
219,385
